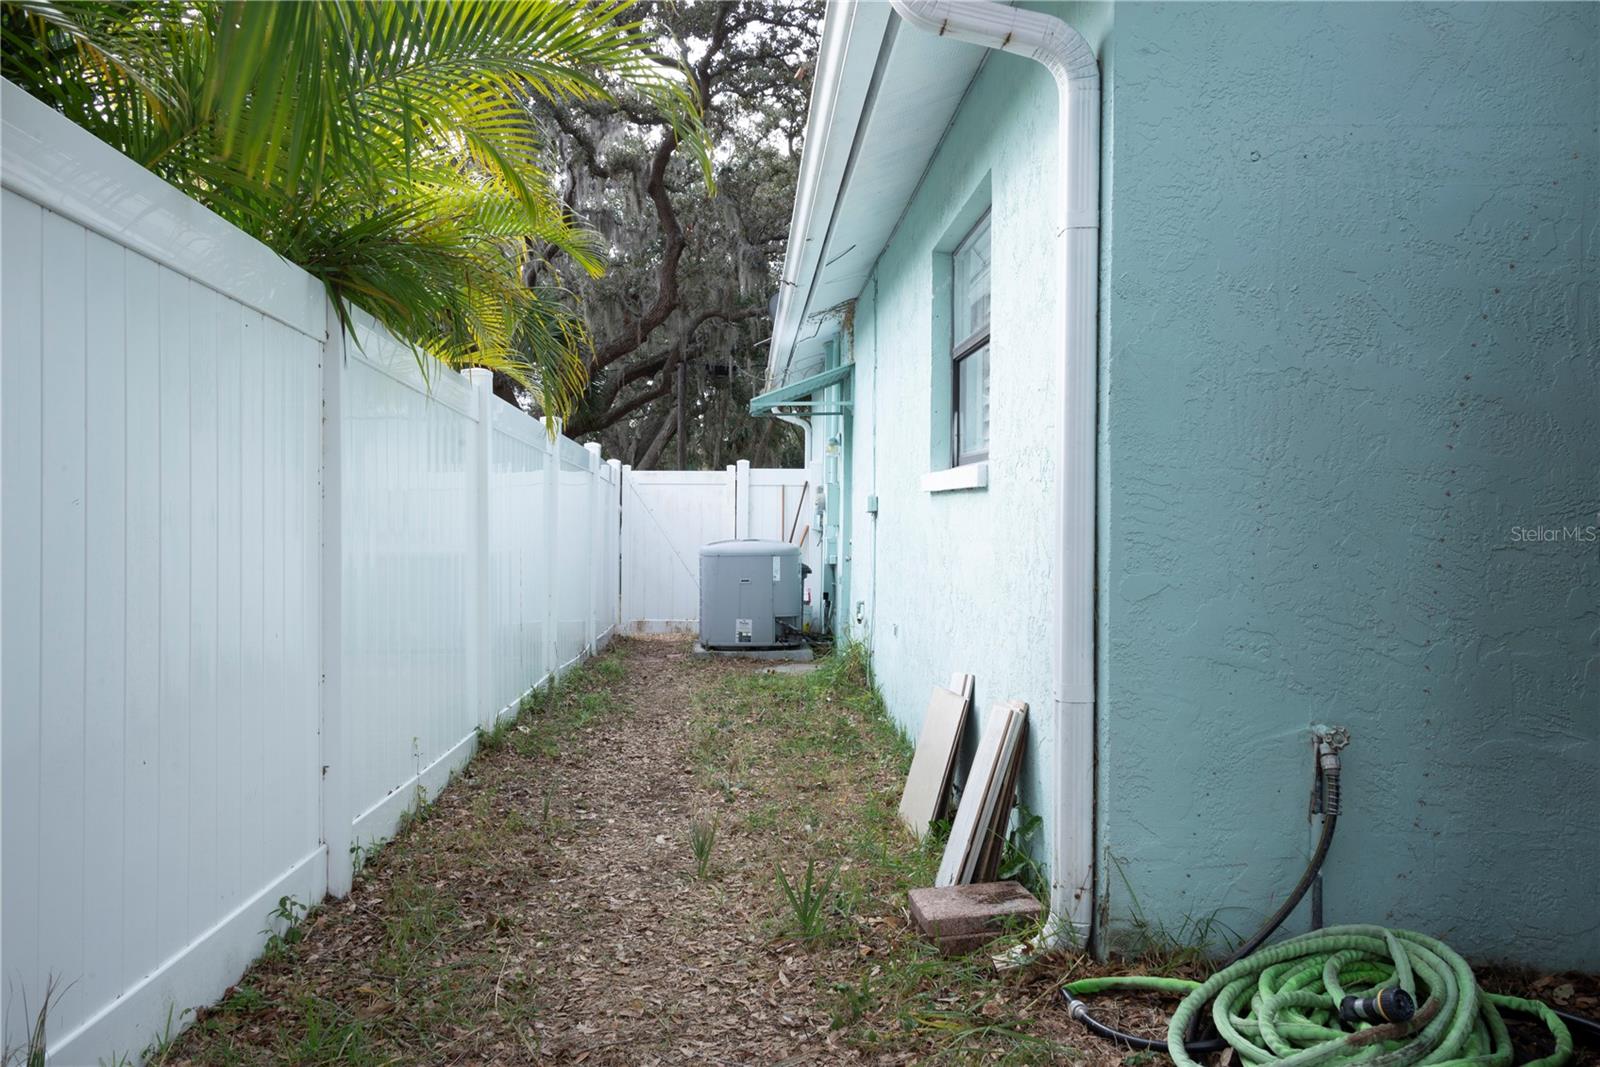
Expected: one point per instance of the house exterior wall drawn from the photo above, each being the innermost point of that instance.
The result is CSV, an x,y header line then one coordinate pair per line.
x,y
1327,399
960,581
1354,318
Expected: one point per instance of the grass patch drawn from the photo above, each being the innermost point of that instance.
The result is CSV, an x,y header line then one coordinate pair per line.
x,y
812,765
489,930
419,963
1154,947
808,900
702,839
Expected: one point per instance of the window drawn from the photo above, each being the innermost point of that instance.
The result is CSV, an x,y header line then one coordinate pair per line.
x,y
969,351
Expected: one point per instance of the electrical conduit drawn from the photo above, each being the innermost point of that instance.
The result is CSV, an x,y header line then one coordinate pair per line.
x,y
1071,61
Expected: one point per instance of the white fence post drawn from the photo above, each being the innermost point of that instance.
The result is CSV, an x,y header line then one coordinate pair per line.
x,y
592,530
623,575
552,528
337,809
611,519
741,499
480,685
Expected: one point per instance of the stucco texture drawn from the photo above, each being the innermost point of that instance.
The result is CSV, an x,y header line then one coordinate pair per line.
x,y
1350,357
960,581
1350,347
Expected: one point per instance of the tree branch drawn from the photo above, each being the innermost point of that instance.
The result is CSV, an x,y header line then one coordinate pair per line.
x,y
668,427
614,415
635,333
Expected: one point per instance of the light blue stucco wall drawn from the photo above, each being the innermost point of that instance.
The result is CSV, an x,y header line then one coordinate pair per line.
x,y
1327,397
1353,340
960,581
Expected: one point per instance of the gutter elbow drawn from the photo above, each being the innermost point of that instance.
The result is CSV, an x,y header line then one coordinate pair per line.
x,y
1042,38
1068,55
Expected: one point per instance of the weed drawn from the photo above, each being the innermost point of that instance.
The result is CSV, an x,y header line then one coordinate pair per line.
x,y
702,837
1016,858
362,854
417,813
33,1052
1164,950
161,1046
327,1037
243,1000
286,931
808,901
496,736
854,1000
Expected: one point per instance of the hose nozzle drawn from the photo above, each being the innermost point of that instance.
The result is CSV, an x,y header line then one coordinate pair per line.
x,y
1389,1005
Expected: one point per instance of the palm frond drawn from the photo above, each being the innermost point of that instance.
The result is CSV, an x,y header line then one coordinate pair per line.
x,y
386,147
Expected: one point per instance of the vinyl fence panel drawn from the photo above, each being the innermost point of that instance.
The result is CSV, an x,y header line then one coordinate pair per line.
x,y
160,473
666,517
518,543
260,584
578,549
782,504
407,576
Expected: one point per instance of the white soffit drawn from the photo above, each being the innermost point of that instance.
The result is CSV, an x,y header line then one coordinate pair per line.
x,y
863,181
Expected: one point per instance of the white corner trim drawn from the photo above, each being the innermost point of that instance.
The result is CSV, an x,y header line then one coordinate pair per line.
x,y
967,476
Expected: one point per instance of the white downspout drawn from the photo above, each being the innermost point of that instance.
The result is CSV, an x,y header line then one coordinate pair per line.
x,y
805,430
1070,59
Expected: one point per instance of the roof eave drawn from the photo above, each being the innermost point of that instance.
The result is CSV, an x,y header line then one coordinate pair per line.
x,y
852,38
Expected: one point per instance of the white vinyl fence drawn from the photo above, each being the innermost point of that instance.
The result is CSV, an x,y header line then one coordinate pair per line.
x,y
261,584
668,515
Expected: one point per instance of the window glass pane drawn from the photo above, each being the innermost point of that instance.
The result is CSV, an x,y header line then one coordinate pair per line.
x,y
970,308
972,403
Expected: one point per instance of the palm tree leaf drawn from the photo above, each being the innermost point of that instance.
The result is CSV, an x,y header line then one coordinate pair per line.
x,y
386,147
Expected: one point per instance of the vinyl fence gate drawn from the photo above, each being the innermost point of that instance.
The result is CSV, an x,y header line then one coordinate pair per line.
x,y
668,515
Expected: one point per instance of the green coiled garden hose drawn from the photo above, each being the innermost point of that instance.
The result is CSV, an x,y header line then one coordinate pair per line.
x,y
1280,1004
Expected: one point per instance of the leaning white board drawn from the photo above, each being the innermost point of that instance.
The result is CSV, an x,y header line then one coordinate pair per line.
x,y
990,836
929,778
985,769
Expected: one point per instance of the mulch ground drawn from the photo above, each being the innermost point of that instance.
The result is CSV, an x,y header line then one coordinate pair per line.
x,y
548,908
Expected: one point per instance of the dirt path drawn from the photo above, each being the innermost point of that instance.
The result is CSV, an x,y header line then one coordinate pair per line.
x,y
644,962
546,908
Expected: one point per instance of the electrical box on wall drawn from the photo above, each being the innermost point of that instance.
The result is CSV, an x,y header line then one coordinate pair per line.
x,y
872,504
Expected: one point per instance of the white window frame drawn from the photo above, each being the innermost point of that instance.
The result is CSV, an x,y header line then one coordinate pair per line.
x,y
974,345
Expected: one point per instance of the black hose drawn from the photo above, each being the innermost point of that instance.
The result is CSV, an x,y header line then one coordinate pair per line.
x,y
1292,901
1330,820
1080,1011
1585,1031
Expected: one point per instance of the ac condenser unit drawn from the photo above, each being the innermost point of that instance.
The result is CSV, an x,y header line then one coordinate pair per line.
x,y
750,595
